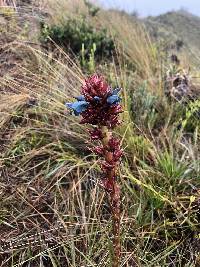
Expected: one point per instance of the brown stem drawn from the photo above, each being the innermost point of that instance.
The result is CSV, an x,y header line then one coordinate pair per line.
x,y
115,209
114,198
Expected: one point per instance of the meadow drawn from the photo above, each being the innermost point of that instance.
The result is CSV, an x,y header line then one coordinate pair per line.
x,y
53,209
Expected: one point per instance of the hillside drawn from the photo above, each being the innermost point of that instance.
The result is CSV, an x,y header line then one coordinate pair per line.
x,y
178,28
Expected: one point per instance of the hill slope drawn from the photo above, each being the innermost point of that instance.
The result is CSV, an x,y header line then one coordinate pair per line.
x,y
178,28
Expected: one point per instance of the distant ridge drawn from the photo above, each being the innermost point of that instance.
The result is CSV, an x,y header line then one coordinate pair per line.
x,y
174,26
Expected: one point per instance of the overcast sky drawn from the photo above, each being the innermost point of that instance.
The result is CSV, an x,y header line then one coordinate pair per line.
x,y
153,7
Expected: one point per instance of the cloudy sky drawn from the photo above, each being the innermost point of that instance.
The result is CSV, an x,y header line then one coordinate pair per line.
x,y
153,7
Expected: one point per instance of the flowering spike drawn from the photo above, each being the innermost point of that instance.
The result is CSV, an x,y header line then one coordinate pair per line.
x,y
99,106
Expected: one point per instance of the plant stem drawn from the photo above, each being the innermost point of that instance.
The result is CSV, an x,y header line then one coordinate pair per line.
x,y
114,199
115,209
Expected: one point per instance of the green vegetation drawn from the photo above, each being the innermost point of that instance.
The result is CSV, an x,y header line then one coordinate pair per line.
x,y
53,210
81,38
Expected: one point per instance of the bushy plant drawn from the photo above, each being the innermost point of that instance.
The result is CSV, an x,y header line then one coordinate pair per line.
x,y
74,34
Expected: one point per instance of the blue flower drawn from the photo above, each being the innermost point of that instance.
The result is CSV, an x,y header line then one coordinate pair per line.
x,y
114,98
78,107
80,98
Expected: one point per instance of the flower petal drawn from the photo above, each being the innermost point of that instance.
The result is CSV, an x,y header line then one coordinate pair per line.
x,y
113,99
80,98
69,105
78,106
116,91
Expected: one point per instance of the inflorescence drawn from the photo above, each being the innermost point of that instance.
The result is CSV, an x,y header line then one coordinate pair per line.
x,y
99,106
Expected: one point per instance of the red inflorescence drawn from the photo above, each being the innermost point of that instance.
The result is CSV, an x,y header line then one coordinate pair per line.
x,y
112,154
95,86
96,134
104,115
99,105
99,111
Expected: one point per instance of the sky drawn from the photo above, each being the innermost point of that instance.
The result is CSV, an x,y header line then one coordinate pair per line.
x,y
153,7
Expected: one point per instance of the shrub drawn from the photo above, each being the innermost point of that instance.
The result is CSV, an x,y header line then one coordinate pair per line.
x,y
74,34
